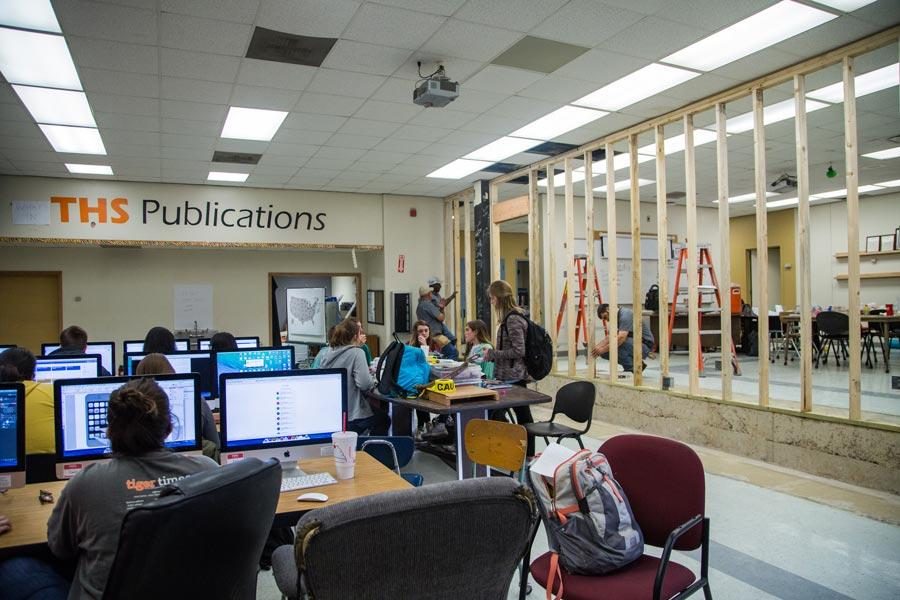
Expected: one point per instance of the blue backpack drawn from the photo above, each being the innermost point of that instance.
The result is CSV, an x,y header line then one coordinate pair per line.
x,y
400,369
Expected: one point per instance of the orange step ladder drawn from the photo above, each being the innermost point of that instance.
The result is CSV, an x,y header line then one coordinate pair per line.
x,y
703,289
581,318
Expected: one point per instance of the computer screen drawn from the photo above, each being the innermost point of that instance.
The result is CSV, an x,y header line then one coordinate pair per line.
x,y
181,345
51,368
294,412
242,342
182,362
106,350
252,360
81,406
12,435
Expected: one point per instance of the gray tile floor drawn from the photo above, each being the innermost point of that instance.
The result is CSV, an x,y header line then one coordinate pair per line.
x,y
764,544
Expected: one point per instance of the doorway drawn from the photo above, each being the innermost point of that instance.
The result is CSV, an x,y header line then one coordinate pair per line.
x,y
32,308
774,277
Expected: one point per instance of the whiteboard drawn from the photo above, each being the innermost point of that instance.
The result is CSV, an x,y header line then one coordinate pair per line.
x,y
649,265
193,306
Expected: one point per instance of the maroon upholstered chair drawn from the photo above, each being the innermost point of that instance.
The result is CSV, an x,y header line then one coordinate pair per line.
x,y
665,485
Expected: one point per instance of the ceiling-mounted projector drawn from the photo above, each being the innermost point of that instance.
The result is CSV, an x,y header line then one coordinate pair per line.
x,y
784,183
435,90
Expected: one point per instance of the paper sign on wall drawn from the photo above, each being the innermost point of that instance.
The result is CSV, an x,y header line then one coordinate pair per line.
x,y
31,212
193,306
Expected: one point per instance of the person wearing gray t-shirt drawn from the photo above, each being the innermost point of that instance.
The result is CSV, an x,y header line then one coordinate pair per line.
x,y
625,338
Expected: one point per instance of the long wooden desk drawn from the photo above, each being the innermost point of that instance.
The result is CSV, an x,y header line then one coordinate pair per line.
x,y
465,411
29,517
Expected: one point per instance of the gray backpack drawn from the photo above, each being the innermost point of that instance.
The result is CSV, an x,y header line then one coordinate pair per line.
x,y
590,526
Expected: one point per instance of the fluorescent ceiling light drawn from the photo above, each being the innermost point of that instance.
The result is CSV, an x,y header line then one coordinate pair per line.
x,y
29,14
889,184
223,176
252,123
459,168
74,140
842,193
865,84
675,143
884,154
846,5
56,107
761,30
779,203
40,59
621,186
560,121
774,113
643,83
90,169
745,198
502,148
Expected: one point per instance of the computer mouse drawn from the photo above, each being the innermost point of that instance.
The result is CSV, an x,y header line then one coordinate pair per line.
x,y
312,497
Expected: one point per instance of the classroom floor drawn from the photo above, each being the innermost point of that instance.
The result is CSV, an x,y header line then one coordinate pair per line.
x,y
775,533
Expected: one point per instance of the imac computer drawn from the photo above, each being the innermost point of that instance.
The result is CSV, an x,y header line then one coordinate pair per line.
x,y
288,415
12,435
251,360
181,345
242,342
182,362
106,350
76,366
80,407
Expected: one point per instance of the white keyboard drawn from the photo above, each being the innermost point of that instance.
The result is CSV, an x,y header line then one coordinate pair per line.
x,y
309,480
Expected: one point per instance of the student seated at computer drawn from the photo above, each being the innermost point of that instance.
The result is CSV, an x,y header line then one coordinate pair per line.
x,y
86,520
17,364
346,353
222,341
159,339
73,340
158,364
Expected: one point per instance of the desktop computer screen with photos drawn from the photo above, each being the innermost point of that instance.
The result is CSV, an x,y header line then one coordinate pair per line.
x,y
12,435
106,350
283,414
81,407
51,368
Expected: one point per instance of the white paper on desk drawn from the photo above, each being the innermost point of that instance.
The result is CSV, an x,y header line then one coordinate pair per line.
x,y
551,458
31,212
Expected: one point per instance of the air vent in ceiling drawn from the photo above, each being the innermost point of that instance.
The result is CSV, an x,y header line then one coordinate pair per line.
x,y
241,158
277,46
538,54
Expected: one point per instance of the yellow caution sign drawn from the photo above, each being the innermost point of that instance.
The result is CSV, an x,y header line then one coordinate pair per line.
x,y
443,386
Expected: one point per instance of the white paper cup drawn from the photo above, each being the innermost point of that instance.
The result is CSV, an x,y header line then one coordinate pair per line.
x,y
344,444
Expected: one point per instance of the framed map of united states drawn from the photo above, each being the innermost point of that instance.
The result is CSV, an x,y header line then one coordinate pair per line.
x,y
306,315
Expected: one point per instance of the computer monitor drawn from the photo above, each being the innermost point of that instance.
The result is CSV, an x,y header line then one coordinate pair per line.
x,y
12,435
252,360
283,414
182,362
106,350
80,408
51,368
181,345
242,342
5,347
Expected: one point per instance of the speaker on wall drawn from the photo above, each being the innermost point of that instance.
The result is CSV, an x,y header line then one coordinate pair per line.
x,y
402,318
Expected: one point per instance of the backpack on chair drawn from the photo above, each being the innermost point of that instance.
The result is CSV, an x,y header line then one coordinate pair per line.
x,y
590,527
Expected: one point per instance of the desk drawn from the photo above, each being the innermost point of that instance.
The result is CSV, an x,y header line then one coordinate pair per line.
x,y
884,321
29,517
463,412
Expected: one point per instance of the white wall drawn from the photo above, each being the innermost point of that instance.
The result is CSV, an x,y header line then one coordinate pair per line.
x,y
828,235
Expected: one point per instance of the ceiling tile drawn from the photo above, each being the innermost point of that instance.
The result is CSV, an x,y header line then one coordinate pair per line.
x,y
335,153
328,104
129,136
115,82
450,151
420,133
260,97
320,18
526,109
491,123
301,136
437,7
477,101
519,15
239,11
186,153
131,105
286,149
757,64
586,23
499,79
470,40
554,88
287,171
203,35
267,73
601,66
313,122
470,139
356,125
425,161
204,128
14,112
196,111
375,23
107,22
653,38
137,150
193,90
341,140
442,117
348,55
388,111
116,56
187,141
343,83
336,164
130,122
283,160
16,143
713,15
198,65
397,145
388,157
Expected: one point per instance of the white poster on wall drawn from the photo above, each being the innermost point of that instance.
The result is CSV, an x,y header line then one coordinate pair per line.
x,y
193,306
306,315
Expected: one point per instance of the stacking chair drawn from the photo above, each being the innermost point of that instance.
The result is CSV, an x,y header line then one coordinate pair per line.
x,y
664,482
393,452
457,539
574,400
202,538
834,334
496,444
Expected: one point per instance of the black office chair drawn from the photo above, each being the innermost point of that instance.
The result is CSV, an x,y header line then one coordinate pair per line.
x,y
574,400
834,334
201,539
457,539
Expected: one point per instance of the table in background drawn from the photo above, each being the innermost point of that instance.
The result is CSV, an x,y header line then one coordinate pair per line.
x,y
462,412
29,517
883,321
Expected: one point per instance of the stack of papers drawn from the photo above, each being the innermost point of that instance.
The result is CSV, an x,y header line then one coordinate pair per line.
x,y
550,459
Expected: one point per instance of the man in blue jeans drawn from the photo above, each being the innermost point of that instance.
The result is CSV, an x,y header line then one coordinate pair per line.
x,y
624,338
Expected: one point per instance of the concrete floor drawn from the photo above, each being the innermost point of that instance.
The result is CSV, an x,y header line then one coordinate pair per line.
x,y
775,533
